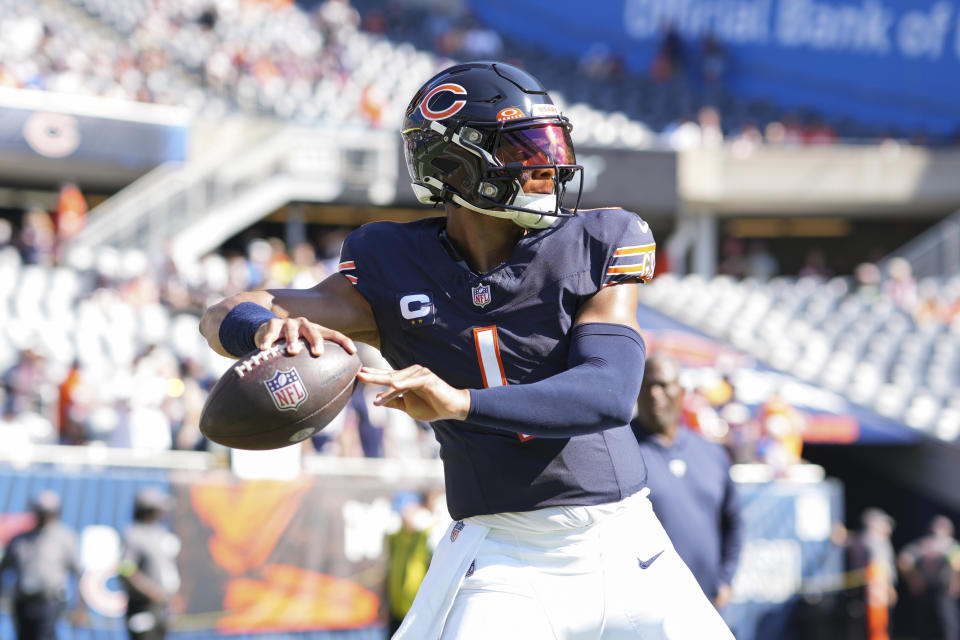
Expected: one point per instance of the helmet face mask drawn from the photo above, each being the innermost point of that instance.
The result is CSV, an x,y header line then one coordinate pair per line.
x,y
475,134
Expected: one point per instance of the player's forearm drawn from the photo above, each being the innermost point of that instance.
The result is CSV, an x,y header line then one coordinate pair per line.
x,y
597,392
214,315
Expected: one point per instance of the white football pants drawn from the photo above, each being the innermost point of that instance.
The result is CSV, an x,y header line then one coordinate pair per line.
x,y
607,572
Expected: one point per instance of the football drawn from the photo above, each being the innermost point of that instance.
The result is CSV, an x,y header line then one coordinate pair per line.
x,y
271,399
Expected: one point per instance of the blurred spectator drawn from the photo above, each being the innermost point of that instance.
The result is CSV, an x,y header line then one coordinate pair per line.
x,y
747,140
669,58
783,426
701,416
71,213
930,567
775,133
790,132
930,308
69,413
868,277
208,18
369,431
335,18
683,134
711,134
713,60
819,132
691,489
480,42
732,261
374,21
195,383
307,271
43,558
600,62
871,561
408,555
38,238
815,265
900,287
720,393
30,390
148,567
743,433
761,264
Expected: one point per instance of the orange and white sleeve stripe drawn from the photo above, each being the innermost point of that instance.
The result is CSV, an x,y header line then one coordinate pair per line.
x,y
349,269
630,264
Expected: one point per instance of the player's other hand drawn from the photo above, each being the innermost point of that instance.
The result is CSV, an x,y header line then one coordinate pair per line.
x,y
292,330
419,392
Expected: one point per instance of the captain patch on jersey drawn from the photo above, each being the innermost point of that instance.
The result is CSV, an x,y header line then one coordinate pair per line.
x,y
416,309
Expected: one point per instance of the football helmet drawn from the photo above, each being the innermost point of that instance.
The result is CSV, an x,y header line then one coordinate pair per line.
x,y
475,133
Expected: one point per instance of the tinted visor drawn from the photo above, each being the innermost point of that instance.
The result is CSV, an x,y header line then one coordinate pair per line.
x,y
545,145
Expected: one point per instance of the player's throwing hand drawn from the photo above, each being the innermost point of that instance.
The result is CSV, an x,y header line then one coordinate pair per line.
x,y
419,392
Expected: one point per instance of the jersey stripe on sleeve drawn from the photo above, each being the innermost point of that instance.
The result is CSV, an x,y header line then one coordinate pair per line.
x,y
630,264
349,269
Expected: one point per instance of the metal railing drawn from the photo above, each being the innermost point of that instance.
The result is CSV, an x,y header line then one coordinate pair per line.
x,y
191,209
935,252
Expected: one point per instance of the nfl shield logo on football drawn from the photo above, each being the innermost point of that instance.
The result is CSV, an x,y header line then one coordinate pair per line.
x,y
457,528
481,295
287,389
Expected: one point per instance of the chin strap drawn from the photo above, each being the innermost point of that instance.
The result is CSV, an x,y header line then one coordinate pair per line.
x,y
525,219
546,202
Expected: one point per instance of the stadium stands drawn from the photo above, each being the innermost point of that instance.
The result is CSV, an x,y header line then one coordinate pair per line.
x,y
106,349
255,58
902,362
52,47
599,80
261,58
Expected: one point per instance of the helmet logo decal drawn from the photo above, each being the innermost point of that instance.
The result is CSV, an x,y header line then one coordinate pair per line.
x,y
510,113
430,114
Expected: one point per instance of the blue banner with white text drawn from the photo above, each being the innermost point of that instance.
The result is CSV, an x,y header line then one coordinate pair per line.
x,y
886,63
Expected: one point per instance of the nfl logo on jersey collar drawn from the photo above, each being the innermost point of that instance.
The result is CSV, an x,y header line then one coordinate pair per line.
x,y
481,295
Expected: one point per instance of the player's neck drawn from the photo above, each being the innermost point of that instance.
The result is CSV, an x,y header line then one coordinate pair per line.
x,y
483,241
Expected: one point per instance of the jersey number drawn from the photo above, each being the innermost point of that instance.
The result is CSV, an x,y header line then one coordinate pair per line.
x,y
491,365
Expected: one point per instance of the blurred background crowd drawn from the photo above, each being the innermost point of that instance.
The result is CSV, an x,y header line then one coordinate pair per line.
x,y
102,347
323,60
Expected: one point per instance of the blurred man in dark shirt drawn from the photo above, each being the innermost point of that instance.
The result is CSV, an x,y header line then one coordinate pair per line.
x,y
930,567
44,559
689,480
148,567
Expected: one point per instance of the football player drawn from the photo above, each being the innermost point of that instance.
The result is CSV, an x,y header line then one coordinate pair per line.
x,y
511,325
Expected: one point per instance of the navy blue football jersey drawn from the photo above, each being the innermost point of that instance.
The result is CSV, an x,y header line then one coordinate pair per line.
x,y
508,326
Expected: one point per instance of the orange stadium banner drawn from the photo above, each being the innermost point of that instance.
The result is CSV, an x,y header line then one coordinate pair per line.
x,y
303,558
